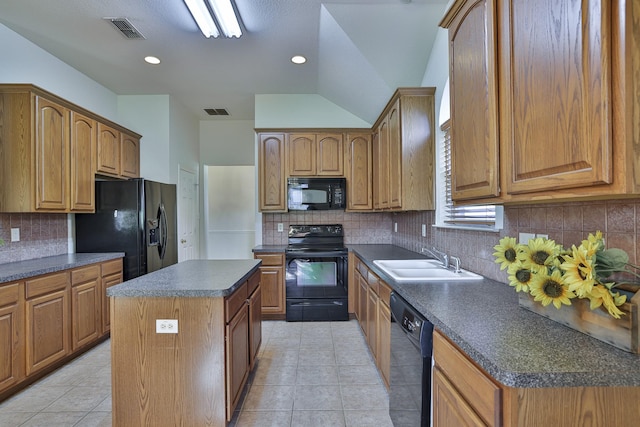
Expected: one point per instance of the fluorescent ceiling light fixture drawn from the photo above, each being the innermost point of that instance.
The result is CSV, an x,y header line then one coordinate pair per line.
x,y
208,13
203,17
298,59
152,60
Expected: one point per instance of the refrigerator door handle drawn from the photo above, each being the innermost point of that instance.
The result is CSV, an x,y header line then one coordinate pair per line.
x,y
162,248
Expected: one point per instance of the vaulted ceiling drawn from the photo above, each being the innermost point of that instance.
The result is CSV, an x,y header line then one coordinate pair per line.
x,y
358,51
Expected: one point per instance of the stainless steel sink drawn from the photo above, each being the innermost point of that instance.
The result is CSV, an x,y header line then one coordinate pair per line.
x,y
422,270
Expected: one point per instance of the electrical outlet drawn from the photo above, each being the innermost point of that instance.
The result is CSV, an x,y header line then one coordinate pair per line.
x,y
15,234
525,237
424,230
395,227
166,326
280,227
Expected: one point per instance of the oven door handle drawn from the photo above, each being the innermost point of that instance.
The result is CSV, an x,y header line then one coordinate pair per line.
x,y
316,304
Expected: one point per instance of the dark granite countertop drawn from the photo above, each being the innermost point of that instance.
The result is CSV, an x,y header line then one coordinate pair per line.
x,y
517,347
19,270
194,278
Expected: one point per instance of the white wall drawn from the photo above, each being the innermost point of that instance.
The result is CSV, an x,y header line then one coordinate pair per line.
x,y
24,62
302,111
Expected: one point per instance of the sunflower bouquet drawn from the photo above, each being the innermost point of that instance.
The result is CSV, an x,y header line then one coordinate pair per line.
x,y
555,275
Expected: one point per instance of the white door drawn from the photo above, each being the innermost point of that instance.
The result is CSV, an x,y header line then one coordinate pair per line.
x,y
187,216
230,211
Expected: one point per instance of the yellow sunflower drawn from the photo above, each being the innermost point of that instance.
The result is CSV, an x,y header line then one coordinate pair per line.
x,y
519,277
538,254
506,252
594,243
551,289
601,295
579,271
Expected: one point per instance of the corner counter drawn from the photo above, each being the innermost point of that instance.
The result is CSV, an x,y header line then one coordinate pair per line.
x,y
192,372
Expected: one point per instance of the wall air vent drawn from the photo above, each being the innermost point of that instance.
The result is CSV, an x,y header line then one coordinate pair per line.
x,y
126,28
216,111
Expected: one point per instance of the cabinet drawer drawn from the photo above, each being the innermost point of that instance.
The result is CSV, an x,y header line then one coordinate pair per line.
x,y
271,259
84,274
361,267
9,294
384,291
253,282
234,302
471,382
111,267
374,282
46,284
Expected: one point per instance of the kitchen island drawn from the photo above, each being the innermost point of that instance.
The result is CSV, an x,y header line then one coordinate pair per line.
x,y
183,341
529,358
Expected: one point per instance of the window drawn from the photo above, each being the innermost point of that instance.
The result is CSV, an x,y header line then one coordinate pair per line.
x,y
480,217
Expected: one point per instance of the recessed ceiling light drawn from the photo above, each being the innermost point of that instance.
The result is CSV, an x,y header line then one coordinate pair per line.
x,y
152,60
298,59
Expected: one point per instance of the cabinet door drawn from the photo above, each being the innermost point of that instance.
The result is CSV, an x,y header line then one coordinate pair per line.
x,y
449,407
111,272
381,166
474,101
108,152
358,172
11,336
301,152
47,329
82,147
556,103
255,325
271,172
86,305
52,155
395,158
384,342
372,323
272,283
330,156
130,156
237,347
363,298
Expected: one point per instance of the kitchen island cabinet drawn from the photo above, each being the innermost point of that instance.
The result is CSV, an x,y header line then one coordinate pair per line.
x,y
195,375
272,283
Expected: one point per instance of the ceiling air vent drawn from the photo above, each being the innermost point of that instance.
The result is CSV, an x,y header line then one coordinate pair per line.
x,y
126,28
216,111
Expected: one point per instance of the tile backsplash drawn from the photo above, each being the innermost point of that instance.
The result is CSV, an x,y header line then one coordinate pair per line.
x,y
566,223
40,235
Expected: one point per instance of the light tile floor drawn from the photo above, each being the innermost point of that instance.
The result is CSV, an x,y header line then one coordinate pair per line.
x,y
308,374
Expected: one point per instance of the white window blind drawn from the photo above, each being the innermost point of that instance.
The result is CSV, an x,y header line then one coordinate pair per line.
x,y
468,216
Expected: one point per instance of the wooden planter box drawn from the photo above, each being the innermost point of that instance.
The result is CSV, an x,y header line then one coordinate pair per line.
x,y
621,333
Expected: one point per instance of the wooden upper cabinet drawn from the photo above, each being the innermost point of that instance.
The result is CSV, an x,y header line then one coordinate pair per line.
x,y
403,152
556,94
474,93
358,171
566,125
82,147
272,186
52,155
301,150
108,152
129,155
330,154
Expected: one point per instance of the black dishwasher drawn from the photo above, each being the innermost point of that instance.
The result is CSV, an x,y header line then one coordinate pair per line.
x,y
411,352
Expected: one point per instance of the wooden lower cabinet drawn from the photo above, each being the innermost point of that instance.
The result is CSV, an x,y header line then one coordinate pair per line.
x,y
383,357
464,394
48,320
86,321
12,369
237,357
255,325
111,272
272,283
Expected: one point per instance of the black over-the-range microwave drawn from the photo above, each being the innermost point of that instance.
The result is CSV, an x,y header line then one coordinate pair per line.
x,y
307,194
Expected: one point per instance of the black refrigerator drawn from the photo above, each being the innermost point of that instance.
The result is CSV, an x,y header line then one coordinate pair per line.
x,y
137,217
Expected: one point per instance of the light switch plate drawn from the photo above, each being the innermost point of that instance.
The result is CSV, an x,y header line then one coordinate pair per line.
x,y
15,234
544,236
424,230
280,227
395,227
